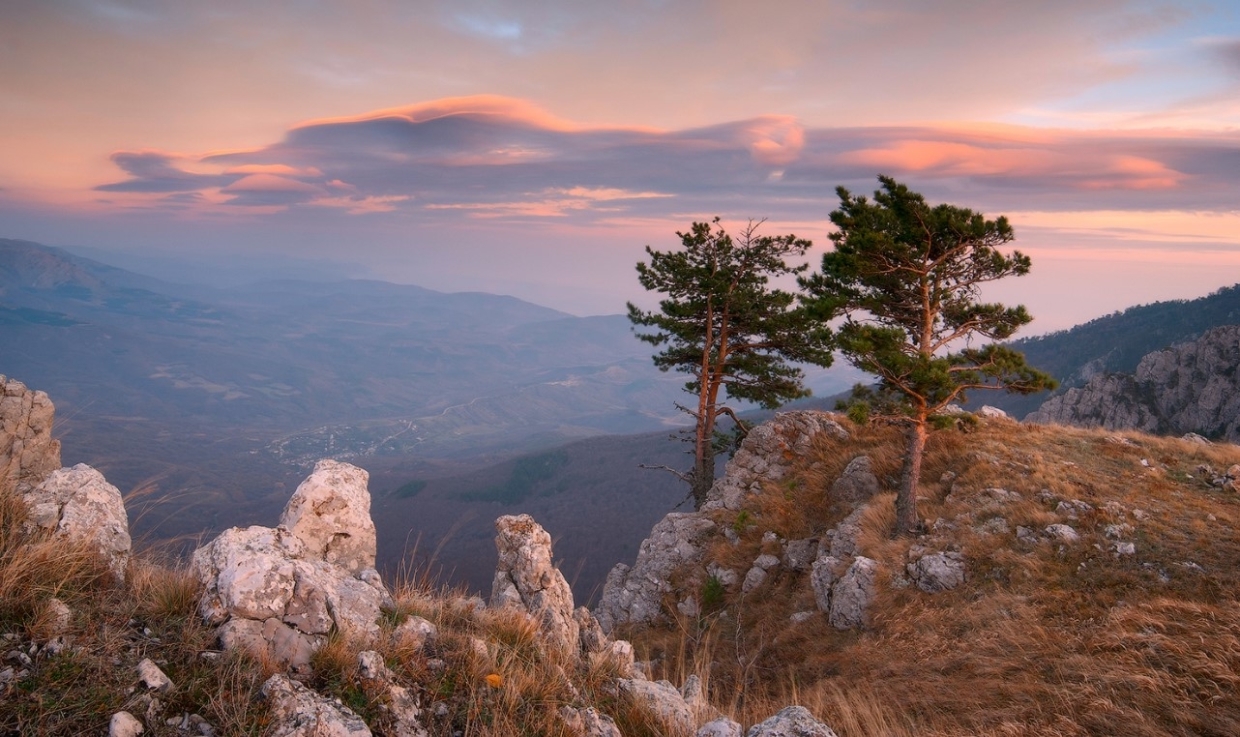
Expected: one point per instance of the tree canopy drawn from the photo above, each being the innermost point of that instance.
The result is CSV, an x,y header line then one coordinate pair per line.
x,y
722,323
907,276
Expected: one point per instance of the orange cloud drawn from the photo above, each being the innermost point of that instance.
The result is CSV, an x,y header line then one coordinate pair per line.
x,y
507,108
1069,157
775,140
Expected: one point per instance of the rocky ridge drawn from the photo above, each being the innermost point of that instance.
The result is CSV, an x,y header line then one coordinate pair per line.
x,y
1189,387
280,594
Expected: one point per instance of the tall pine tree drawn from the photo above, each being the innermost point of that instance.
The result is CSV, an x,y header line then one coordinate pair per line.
x,y
723,324
907,276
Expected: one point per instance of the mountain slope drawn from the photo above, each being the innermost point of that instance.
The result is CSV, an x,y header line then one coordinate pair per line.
x,y
1116,342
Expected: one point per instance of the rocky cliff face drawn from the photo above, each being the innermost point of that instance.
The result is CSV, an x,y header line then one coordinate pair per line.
x,y
1190,387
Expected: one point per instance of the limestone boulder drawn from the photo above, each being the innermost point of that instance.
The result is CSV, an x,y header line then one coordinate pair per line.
x,y
851,595
937,571
330,514
281,591
793,721
27,451
663,700
297,711
822,578
588,722
857,483
78,504
526,579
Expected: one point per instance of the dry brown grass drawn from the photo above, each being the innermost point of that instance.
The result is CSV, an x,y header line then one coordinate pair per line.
x,y
1042,639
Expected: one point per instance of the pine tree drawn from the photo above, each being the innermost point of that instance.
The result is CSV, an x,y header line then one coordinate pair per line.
x,y
907,276
724,325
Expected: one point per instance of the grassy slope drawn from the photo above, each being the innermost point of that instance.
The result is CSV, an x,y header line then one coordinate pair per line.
x,y
1041,639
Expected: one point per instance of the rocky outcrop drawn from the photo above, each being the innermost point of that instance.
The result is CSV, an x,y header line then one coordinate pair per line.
x,y
635,594
27,451
767,453
1190,387
273,591
526,579
78,504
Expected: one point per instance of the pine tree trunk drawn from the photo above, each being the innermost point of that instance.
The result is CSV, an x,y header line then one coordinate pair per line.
x,y
703,479
906,497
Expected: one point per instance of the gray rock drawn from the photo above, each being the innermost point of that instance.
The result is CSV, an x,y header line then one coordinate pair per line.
x,y
593,640
851,595
844,540
799,554
330,513
400,702
589,722
1073,509
278,594
1125,548
726,576
152,677
822,577
857,483
27,451
124,724
721,727
1063,533
636,595
78,504
793,721
937,572
299,712
416,631
799,617
1190,387
767,453
661,699
526,579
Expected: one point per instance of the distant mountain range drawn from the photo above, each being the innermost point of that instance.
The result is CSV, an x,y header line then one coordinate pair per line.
x,y
207,406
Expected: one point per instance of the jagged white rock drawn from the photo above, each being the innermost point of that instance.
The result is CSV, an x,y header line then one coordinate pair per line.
x,y
28,453
79,504
526,579
330,513
272,591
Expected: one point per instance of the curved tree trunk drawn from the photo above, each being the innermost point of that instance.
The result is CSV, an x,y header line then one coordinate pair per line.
x,y
907,520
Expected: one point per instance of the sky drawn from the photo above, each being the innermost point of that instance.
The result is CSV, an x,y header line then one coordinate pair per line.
x,y
536,148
